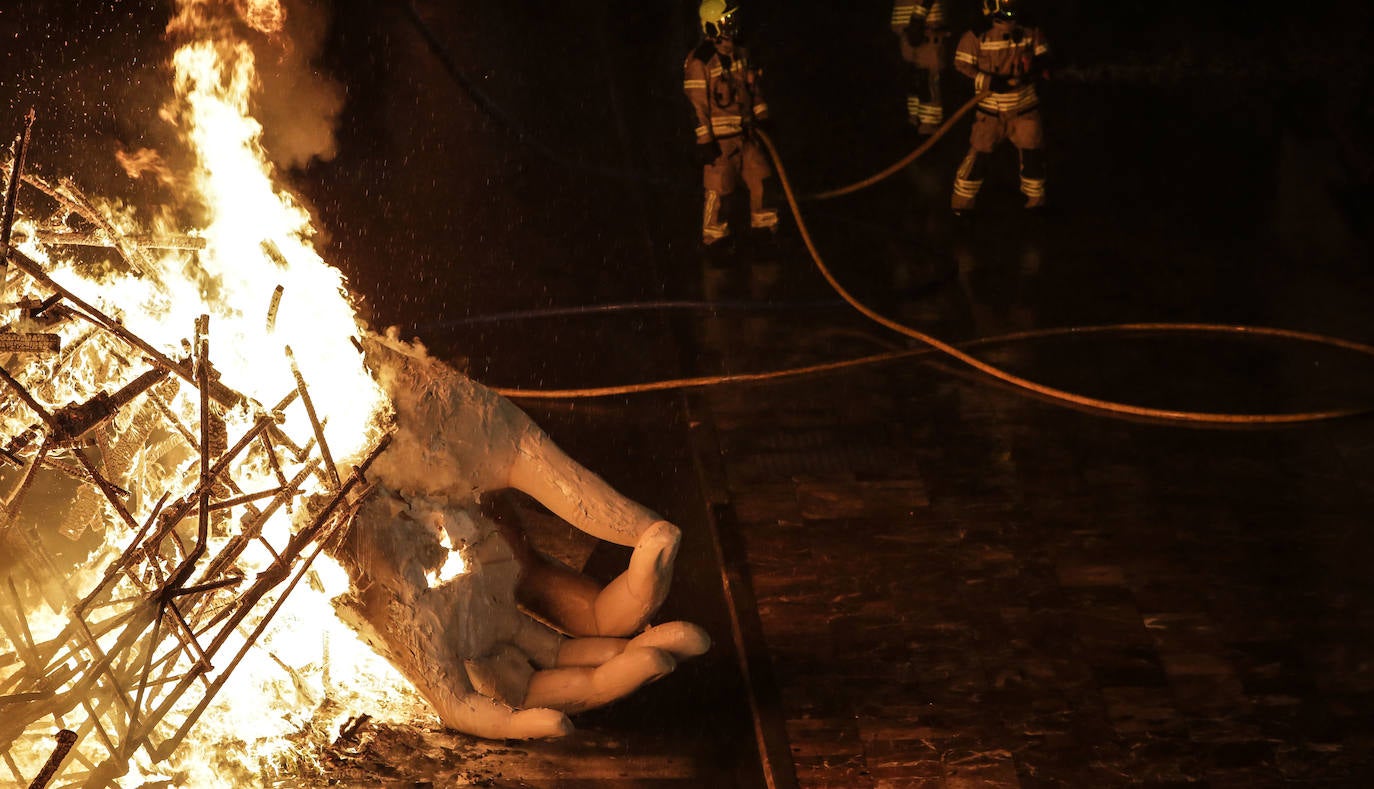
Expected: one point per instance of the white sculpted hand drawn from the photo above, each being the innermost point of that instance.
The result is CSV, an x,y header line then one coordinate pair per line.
x,y
488,667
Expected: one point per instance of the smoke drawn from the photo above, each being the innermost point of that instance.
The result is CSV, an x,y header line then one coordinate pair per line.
x,y
297,104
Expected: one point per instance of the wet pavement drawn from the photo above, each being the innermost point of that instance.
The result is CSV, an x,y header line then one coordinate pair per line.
x,y
959,585
914,577
937,581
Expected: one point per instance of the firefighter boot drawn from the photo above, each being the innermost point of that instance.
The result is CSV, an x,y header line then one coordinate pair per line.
x,y
968,181
1033,177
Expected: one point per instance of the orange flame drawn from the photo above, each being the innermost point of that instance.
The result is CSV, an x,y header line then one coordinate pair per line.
x,y
265,16
143,162
309,672
258,237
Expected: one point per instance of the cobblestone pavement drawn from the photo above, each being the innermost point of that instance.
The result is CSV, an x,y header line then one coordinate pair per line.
x,y
958,585
961,588
955,585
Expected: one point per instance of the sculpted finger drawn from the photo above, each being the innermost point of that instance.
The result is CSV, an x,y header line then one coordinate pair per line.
x,y
628,602
584,688
589,652
482,716
682,640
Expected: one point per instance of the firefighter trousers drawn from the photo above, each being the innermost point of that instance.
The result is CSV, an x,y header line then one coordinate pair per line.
x,y
1024,131
925,108
741,159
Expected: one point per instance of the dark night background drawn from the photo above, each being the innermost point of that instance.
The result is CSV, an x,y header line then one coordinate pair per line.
x,y
1208,162
576,178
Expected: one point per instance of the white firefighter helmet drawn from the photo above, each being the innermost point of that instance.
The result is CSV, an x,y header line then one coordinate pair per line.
x,y
719,18
1002,9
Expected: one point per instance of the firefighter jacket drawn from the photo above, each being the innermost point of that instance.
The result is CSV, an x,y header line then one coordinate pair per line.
x,y
724,91
931,13
1001,52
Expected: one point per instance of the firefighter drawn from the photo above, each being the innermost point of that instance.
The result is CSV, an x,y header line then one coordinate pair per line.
x,y
923,35
723,86
1007,58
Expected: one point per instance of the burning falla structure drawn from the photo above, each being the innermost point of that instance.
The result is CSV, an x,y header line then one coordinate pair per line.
x,y
209,466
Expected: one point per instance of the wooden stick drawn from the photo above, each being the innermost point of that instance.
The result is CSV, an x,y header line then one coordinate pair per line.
x,y
314,421
222,394
65,740
21,150
100,239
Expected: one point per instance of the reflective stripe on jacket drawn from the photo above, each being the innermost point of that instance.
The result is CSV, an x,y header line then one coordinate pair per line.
x,y
904,12
724,91
1004,51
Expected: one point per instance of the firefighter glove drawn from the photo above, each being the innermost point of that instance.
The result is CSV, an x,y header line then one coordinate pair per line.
x,y
708,152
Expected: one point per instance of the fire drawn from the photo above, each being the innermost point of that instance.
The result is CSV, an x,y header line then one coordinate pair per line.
x,y
279,314
258,238
266,16
143,162
455,565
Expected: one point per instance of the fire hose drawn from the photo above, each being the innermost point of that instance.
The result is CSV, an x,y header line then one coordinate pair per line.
x,y
891,169
934,345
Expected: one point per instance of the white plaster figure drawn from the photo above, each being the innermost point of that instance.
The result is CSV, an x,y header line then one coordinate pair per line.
x,y
509,646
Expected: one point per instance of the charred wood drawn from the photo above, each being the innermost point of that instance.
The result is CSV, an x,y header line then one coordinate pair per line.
x,y
21,149
100,238
65,739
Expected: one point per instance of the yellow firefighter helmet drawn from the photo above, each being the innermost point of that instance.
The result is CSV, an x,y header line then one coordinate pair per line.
x,y
719,18
1002,9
